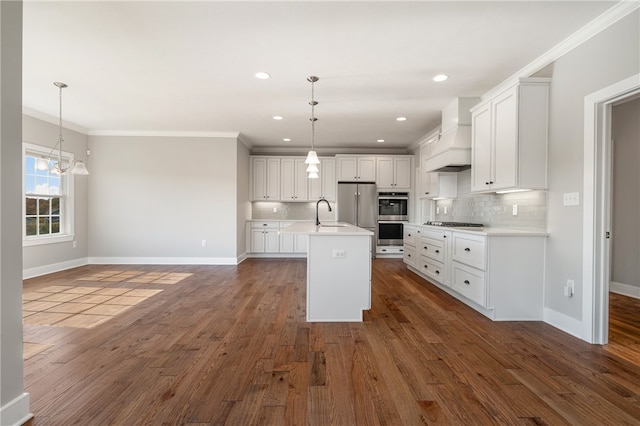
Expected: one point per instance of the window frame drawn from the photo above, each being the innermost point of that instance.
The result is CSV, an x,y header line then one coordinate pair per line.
x,y
67,206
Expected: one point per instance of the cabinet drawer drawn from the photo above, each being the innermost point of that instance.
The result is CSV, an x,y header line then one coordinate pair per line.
x,y
265,224
432,269
431,248
409,256
469,249
435,234
469,282
410,235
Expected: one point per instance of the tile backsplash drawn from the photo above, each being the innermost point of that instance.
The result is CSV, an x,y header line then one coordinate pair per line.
x,y
291,211
495,210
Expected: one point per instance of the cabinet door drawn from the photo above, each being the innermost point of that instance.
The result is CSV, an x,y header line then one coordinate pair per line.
x,y
257,241
328,178
259,178
385,172
287,179
505,140
367,169
481,149
347,168
402,173
301,180
271,241
287,243
301,243
273,179
325,187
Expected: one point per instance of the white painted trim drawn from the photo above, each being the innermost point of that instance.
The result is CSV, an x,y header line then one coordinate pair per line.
x,y
16,412
563,322
241,258
54,267
624,289
164,134
163,261
276,255
601,23
594,285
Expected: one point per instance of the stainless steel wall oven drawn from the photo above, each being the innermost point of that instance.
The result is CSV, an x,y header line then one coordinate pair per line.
x,y
393,212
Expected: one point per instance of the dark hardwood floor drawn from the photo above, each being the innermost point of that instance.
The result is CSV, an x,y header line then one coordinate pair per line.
x,y
230,345
624,327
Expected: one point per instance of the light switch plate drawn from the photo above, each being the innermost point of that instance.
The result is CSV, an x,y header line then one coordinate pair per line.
x,y
571,199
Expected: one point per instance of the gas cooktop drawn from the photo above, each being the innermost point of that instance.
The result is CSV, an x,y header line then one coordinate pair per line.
x,y
455,224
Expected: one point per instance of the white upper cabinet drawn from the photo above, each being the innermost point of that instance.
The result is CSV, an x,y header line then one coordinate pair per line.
x,y
352,168
439,185
325,187
293,179
394,172
265,178
509,139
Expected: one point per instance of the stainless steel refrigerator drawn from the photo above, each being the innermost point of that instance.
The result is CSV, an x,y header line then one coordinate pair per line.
x,y
358,205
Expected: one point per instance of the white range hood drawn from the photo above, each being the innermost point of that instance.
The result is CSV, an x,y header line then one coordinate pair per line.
x,y
452,151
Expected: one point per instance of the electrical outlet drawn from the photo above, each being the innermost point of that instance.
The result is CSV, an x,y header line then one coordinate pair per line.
x,y
75,244
571,199
445,210
275,210
515,210
338,253
204,243
437,210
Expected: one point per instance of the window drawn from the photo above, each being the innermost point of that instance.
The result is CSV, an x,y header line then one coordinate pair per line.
x,y
48,200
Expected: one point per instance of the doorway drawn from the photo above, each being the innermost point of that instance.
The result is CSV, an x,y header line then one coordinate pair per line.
x,y
597,205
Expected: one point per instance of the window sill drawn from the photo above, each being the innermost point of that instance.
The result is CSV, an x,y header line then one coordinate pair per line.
x,y
47,240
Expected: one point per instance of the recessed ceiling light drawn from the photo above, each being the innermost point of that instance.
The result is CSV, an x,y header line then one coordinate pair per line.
x,y
401,119
380,140
440,77
286,140
278,117
262,75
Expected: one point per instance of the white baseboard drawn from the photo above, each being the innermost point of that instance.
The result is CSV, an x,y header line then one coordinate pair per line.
x,y
54,267
163,261
16,412
624,289
563,322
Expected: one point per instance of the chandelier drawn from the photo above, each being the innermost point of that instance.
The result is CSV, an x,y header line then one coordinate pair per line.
x,y
57,167
312,158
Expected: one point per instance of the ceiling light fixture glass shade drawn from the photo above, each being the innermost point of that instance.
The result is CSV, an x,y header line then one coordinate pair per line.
x,y
57,166
312,156
313,168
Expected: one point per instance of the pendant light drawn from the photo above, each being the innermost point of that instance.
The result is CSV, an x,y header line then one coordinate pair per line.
x,y
312,158
78,167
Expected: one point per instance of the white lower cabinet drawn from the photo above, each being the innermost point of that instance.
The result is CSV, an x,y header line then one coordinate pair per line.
x,y
265,238
265,241
499,275
411,234
293,243
469,282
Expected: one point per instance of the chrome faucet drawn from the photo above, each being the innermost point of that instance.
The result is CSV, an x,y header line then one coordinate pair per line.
x,y
317,205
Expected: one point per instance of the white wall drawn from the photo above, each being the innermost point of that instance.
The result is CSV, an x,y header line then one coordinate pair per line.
x,y
244,205
155,199
14,402
47,258
625,244
608,57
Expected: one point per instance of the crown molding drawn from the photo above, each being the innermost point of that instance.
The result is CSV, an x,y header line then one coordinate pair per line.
x,y
164,134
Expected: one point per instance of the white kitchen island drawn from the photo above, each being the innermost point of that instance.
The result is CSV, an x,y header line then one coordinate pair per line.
x,y
338,270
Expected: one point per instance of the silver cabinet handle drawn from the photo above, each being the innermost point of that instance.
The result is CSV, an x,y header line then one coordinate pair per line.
x,y
467,249
467,282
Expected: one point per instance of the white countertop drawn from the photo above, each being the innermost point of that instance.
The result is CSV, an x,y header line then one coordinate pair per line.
x,y
326,228
490,231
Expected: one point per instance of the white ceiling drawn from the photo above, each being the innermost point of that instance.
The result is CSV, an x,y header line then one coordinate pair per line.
x,y
189,66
